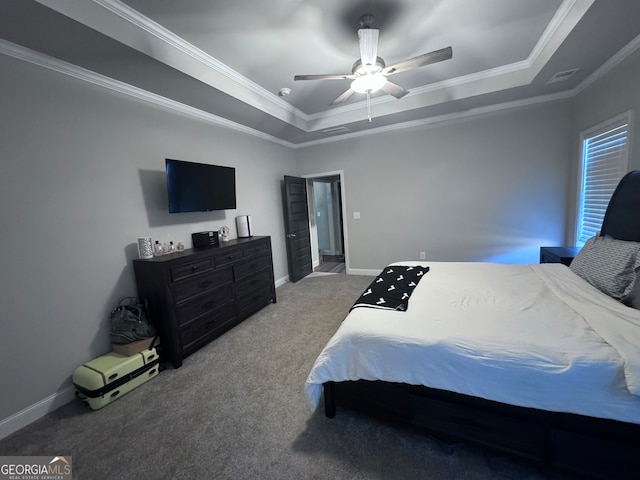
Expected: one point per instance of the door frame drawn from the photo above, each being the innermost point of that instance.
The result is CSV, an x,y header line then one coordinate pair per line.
x,y
343,201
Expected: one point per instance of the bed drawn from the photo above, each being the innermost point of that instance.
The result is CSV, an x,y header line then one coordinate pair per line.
x,y
541,361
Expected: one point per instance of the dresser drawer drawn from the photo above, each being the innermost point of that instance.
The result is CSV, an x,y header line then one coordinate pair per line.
x,y
250,267
192,268
254,282
195,285
201,329
257,248
228,257
254,300
196,306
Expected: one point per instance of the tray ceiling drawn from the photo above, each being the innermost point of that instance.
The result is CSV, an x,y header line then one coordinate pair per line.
x,y
226,61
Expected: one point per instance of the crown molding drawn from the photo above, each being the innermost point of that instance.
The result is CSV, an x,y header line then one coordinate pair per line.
x,y
65,68
117,20
609,65
559,19
133,16
444,119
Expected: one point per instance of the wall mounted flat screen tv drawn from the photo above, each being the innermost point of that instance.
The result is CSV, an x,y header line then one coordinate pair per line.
x,y
199,187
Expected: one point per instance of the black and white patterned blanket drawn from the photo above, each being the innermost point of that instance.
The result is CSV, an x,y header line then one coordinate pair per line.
x,y
391,289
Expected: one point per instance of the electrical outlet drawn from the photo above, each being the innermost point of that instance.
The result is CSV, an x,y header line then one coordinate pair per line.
x,y
423,255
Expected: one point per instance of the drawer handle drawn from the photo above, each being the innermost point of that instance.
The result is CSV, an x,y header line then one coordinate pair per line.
x,y
194,268
207,305
204,284
231,257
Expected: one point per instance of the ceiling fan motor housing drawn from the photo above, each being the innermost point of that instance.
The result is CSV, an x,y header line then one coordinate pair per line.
x,y
358,69
366,20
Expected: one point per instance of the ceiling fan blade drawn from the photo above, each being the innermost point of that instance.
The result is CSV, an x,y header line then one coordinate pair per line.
x,y
324,77
393,89
419,61
368,45
343,97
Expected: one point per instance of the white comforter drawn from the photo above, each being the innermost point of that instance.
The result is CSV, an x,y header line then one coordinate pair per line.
x,y
530,335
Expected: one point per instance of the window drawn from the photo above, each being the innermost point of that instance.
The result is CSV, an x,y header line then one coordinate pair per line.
x,y
605,160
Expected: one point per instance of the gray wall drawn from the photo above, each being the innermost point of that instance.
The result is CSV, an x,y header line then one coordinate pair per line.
x,y
81,178
487,188
611,95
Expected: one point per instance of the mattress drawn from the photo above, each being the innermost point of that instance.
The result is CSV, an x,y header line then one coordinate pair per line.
x,y
534,336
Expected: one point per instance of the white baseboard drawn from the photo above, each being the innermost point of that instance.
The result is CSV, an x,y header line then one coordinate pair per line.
x,y
362,271
282,281
36,411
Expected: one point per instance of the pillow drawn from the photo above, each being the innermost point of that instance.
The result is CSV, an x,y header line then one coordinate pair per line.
x,y
608,264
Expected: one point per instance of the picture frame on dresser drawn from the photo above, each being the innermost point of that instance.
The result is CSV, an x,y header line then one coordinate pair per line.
x,y
196,295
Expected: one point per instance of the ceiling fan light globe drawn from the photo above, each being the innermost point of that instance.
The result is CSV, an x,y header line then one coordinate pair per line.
x,y
368,83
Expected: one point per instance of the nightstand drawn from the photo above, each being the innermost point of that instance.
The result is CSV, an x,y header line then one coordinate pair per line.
x,y
558,254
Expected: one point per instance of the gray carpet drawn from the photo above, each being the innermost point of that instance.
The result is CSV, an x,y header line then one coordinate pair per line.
x,y
236,410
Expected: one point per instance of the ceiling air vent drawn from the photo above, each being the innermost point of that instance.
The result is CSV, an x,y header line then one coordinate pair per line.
x,y
335,130
563,76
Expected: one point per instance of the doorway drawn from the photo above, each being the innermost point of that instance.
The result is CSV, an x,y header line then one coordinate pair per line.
x,y
297,235
325,197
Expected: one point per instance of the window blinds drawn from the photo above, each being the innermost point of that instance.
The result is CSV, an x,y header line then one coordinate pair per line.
x,y
604,163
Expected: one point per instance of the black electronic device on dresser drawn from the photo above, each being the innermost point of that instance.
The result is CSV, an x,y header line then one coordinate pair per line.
x,y
204,239
196,295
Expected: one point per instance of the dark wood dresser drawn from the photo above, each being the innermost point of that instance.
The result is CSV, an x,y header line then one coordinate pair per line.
x,y
196,295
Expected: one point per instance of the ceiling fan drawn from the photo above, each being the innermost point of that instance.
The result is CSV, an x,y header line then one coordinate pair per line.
x,y
369,73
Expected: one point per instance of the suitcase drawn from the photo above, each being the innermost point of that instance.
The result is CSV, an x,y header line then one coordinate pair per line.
x,y
106,378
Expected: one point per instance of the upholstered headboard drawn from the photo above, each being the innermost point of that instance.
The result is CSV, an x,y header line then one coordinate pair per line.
x,y
622,218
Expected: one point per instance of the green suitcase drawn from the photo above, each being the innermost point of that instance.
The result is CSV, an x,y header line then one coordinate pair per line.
x,y
106,378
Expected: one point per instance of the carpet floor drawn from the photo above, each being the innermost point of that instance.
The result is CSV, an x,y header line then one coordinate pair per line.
x,y
236,410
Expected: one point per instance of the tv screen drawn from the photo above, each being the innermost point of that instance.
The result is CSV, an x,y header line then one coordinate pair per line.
x,y
199,187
